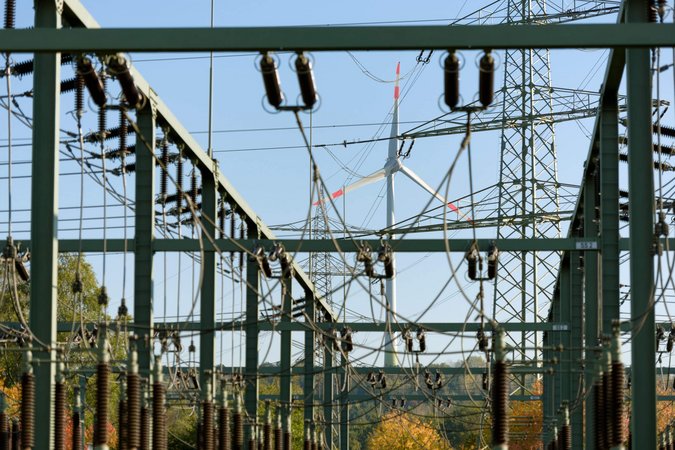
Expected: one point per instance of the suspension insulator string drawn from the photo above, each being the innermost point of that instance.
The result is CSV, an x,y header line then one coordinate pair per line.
x,y
4,423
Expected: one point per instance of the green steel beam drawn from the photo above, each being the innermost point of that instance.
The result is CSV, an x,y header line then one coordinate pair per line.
x,y
285,325
44,221
77,16
348,246
308,366
563,376
611,243
207,305
592,310
286,352
641,226
247,39
576,353
251,376
143,239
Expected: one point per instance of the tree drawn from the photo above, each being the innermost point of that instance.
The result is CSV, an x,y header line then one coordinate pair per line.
x,y
529,421
403,431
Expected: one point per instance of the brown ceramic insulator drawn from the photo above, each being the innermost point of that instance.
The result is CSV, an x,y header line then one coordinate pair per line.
x,y
221,218
145,429
79,94
102,404
617,409
4,431
653,11
252,444
134,410
179,185
102,117
122,430
159,437
164,178
599,403
208,437
76,438
124,130
287,440
194,190
278,438
607,398
500,402
224,437
10,14
307,444
267,436
237,431
566,438
16,435
28,410
59,416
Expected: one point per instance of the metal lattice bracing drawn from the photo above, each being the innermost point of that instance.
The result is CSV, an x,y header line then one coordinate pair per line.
x,y
528,182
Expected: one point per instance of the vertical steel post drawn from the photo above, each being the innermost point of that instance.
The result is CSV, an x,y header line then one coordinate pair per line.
x,y
344,405
609,210
310,338
209,219
592,311
641,209
144,237
562,376
286,350
252,296
328,392
44,221
576,350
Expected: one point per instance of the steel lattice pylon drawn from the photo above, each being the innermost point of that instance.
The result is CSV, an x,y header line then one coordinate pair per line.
x,y
528,182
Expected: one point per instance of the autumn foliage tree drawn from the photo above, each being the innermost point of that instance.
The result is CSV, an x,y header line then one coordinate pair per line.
x,y
403,431
527,421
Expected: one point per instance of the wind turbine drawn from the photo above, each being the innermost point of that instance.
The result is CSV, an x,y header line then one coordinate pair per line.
x,y
392,166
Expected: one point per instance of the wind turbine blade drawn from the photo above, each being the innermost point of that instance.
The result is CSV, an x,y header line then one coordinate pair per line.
x,y
421,183
369,179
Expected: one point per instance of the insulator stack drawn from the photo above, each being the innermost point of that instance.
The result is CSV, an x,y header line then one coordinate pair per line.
x,y
118,66
287,431
566,431
451,79
16,435
242,235
653,11
252,442
221,216
193,191
233,228
76,438
486,83
278,435
124,130
59,416
79,94
159,437
607,397
303,67
134,410
238,430
500,398
617,398
268,68
224,437
10,14
102,403
179,184
4,424
164,177
208,439
599,402
122,430
92,81
145,428
28,410
102,118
